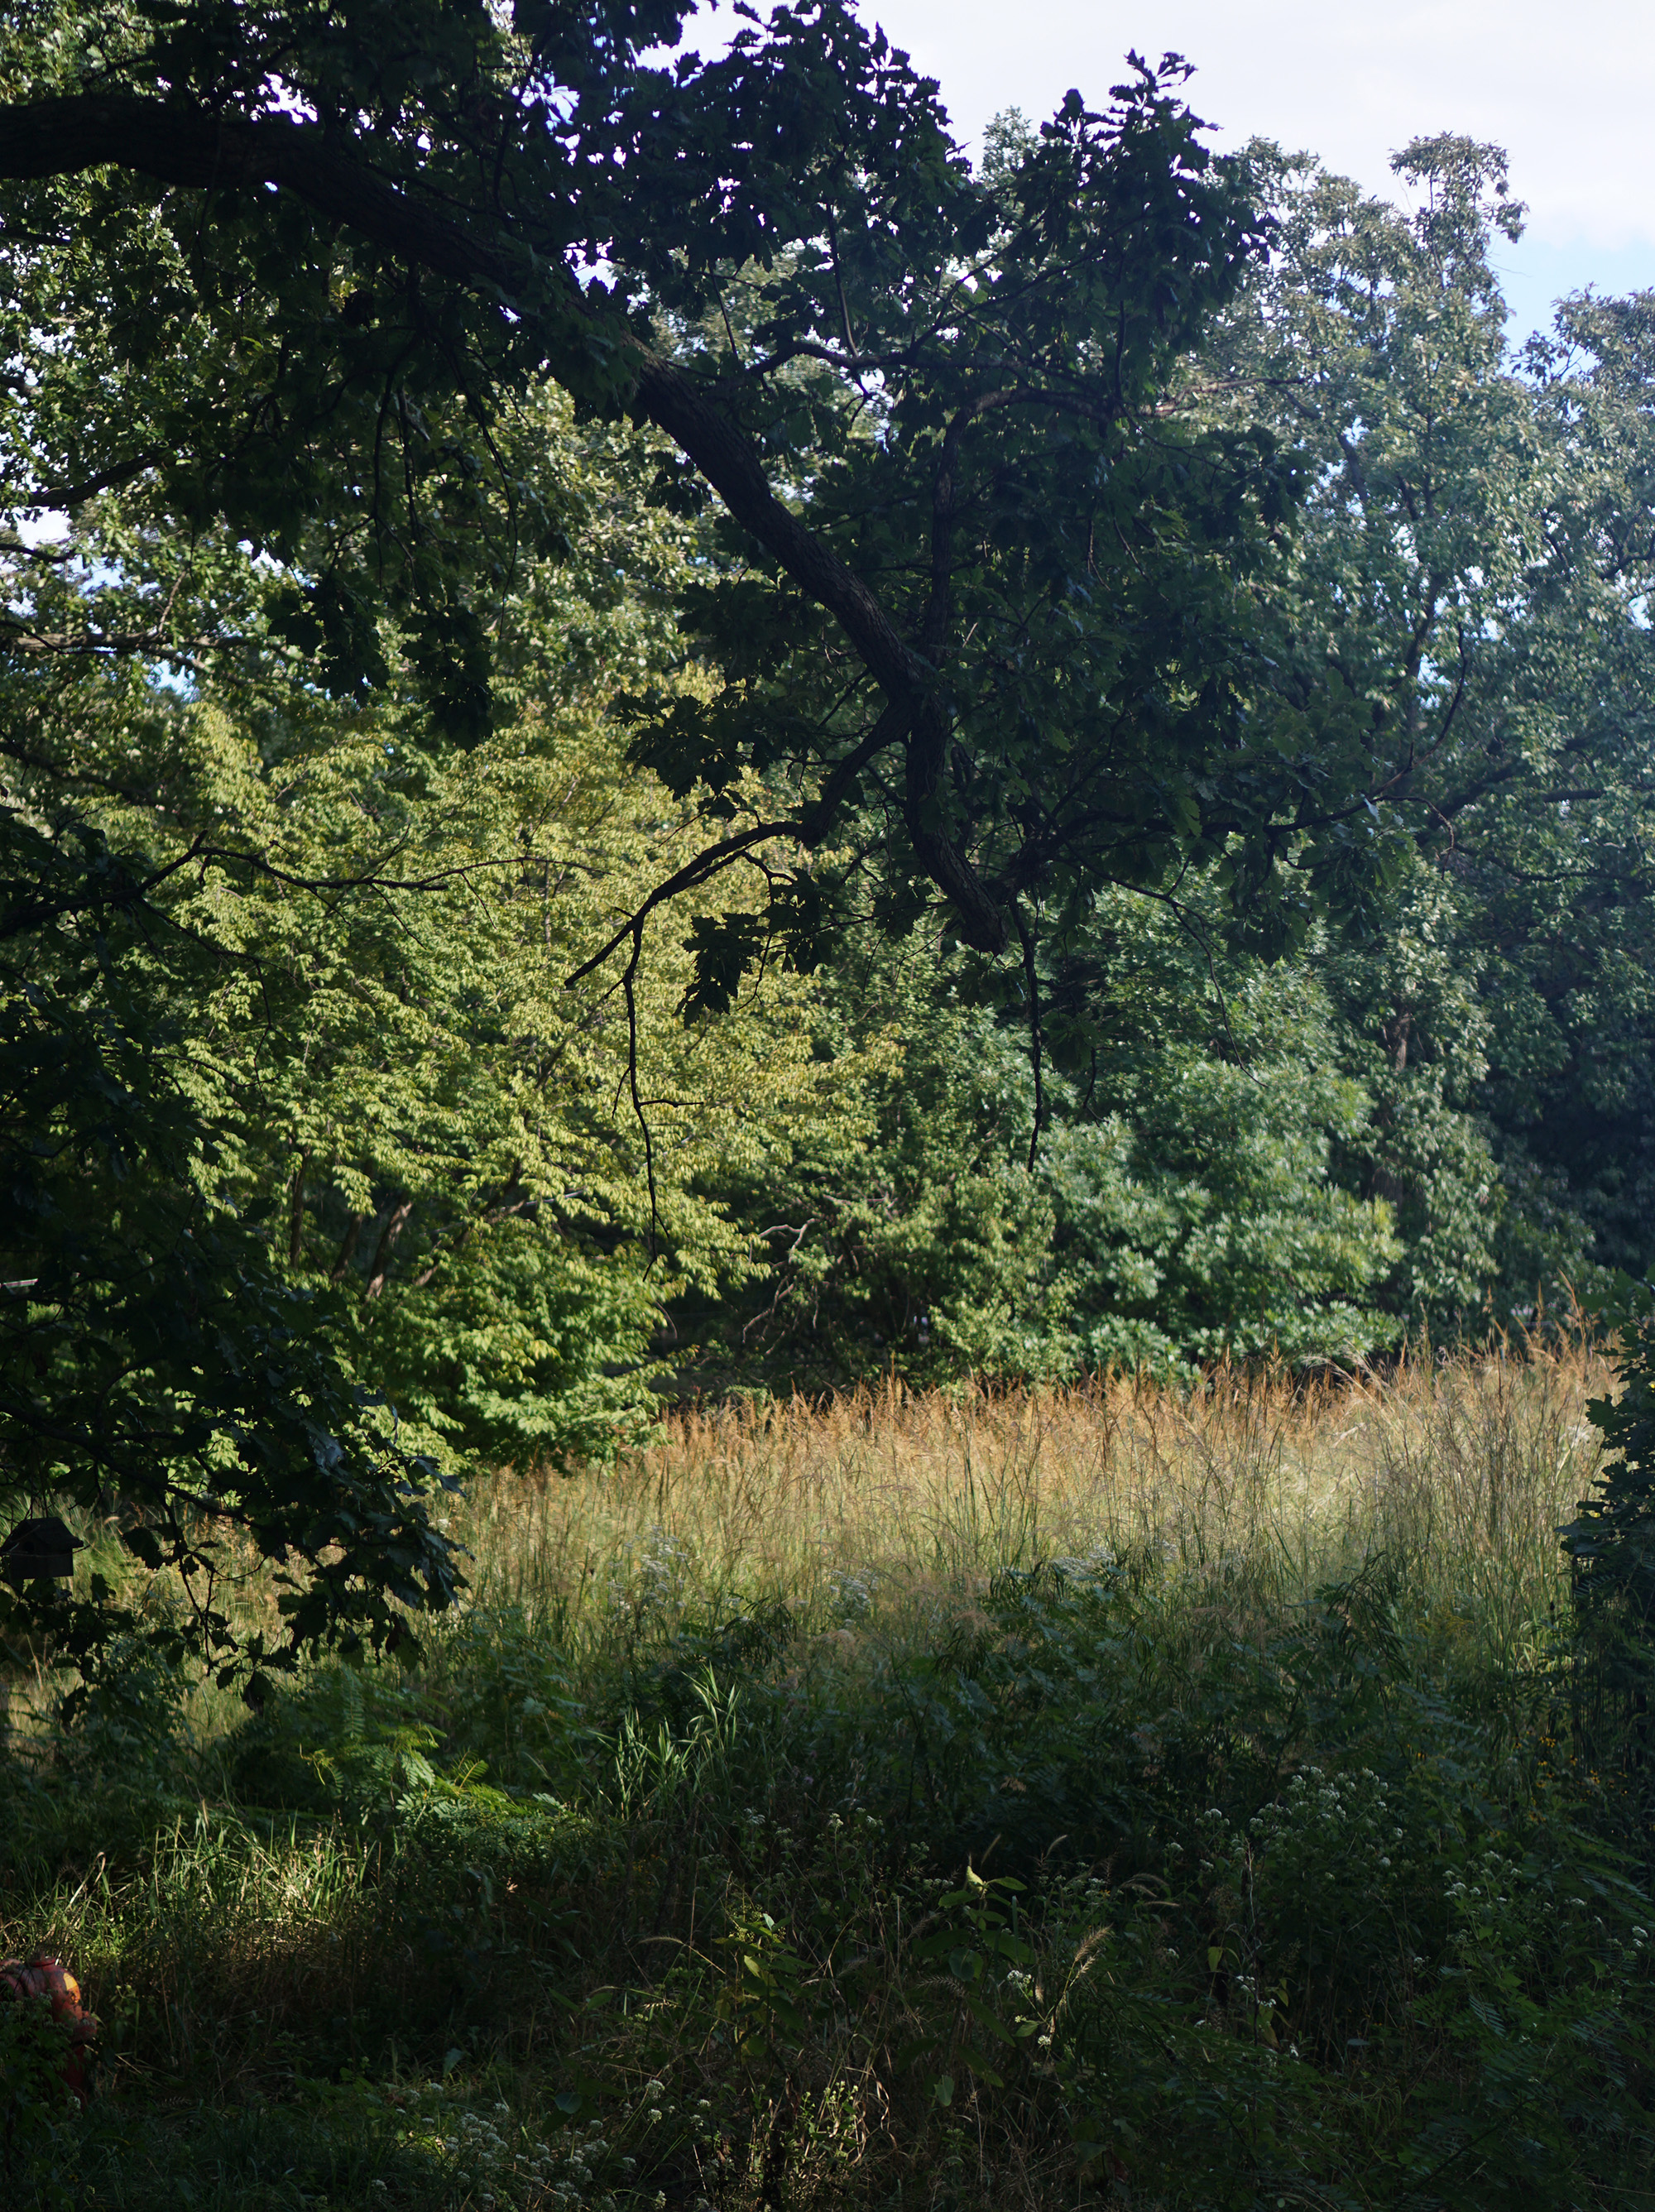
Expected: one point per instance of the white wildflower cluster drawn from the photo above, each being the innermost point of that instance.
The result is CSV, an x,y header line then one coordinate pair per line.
x,y
1217,1839
1495,1906
853,1594
1077,1906
1498,1908
1484,1889
1324,1826
650,1574
1252,2004
862,1827
586,2168
1093,1566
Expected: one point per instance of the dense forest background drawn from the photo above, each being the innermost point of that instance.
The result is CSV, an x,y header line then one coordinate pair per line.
x,y
1301,1137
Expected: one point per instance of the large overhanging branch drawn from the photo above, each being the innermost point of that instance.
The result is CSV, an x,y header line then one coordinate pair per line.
x,y
177,144
180,145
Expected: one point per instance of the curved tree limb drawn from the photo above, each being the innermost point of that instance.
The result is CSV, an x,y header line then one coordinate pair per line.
x,y
192,148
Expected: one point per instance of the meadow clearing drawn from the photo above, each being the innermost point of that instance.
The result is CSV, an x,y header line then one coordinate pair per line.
x,y
1113,1795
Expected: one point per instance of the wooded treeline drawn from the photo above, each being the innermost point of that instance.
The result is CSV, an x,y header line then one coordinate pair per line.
x,y
655,734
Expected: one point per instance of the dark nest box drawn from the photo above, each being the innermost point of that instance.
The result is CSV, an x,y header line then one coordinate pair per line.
x,y
38,1551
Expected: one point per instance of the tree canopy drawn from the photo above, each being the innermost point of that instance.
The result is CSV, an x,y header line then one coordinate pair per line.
x,y
650,721
978,553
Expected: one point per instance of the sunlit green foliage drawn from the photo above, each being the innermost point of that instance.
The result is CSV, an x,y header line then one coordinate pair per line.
x,y
313,1148
1070,803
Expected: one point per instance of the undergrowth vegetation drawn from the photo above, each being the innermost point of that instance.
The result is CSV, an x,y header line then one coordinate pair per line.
x,y
1105,1797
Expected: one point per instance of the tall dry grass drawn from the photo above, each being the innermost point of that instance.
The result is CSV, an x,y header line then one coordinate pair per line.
x,y
1462,1469
1248,1489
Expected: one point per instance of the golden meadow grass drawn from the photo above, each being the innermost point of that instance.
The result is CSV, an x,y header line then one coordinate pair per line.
x,y
1463,1466
862,1511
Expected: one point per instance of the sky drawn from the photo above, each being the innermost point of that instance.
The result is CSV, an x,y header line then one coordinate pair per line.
x,y
1568,90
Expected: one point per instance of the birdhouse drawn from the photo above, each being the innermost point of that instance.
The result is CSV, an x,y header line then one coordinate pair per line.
x,y
38,1551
